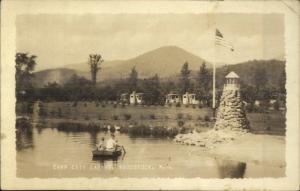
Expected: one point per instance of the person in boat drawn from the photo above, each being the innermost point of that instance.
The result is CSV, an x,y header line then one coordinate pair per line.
x,y
101,145
111,143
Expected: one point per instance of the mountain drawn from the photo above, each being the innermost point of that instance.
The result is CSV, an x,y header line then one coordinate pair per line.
x,y
246,70
164,61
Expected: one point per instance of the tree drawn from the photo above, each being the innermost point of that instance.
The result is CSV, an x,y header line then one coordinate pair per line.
x,y
133,79
24,67
204,82
185,77
282,81
94,61
24,72
260,79
152,89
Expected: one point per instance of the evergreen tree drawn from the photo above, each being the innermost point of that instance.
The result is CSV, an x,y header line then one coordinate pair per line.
x,y
204,82
260,79
133,79
185,78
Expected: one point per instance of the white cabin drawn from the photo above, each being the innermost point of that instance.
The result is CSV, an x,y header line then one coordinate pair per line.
x,y
173,98
124,98
188,98
136,98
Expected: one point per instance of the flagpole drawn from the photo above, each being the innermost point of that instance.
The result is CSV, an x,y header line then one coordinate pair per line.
x,y
214,77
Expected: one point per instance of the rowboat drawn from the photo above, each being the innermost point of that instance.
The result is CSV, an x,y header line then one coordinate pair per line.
x,y
107,153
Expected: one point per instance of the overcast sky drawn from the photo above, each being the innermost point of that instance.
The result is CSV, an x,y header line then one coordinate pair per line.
x,y
60,40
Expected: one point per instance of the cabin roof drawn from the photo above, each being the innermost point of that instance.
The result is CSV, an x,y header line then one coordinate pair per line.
x,y
232,75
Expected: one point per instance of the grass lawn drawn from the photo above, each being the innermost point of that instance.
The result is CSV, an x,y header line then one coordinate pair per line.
x,y
169,116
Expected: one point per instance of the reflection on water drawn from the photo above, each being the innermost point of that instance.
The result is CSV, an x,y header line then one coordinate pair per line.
x,y
49,152
231,169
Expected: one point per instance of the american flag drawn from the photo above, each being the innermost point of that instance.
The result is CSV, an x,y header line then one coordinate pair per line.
x,y
221,42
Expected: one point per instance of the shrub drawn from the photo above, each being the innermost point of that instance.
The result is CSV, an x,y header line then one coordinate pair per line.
x,y
59,112
189,117
170,105
127,116
194,107
97,104
200,118
206,118
179,116
103,105
180,123
152,116
52,113
178,105
187,105
115,117
74,104
115,106
276,106
87,118
85,104
200,106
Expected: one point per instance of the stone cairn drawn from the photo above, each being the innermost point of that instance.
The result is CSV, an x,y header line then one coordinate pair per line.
x,y
231,114
231,121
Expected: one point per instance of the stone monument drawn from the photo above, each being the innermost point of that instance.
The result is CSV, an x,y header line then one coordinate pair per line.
x,y
231,114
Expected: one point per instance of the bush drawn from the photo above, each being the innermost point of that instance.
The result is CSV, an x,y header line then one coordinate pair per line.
x,y
179,116
127,116
97,104
180,123
189,117
52,113
59,112
85,104
200,106
87,118
200,118
194,107
74,104
187,105
276,106
115,106
206,118
103,105
115,117
152,116
178,105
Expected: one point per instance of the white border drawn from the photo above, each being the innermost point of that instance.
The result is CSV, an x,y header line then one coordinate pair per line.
x,y
11,8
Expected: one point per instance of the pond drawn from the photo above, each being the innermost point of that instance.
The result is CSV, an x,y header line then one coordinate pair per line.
x,y
49,152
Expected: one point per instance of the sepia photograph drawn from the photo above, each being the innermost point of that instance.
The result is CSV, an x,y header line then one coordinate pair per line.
x,y
150,95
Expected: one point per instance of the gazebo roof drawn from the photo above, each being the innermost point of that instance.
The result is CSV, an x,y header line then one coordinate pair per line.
x,y
232,75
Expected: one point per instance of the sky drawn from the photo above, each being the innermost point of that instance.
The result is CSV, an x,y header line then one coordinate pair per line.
x,y
59,40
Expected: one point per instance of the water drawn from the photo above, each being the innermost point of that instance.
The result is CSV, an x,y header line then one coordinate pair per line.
x,y
47,152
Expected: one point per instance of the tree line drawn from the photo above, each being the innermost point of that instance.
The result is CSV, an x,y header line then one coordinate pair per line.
x,y
78,88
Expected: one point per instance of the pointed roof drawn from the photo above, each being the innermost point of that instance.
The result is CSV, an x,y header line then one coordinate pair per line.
x,y
232,75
